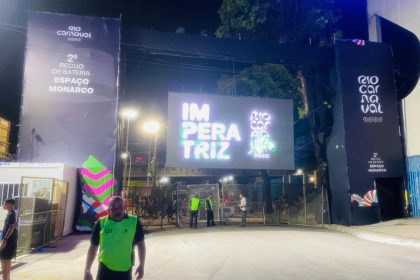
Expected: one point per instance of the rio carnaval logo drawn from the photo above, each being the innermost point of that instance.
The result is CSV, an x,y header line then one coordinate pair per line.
x,y
261,145
74,33
370,104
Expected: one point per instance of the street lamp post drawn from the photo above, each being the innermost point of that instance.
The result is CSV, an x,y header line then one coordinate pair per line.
x,y
125,156
127,114
153,128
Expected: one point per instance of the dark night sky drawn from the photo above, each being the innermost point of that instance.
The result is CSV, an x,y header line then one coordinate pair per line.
x,y
159,15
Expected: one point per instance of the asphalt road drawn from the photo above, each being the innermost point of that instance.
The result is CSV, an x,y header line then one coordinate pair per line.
x,y
241,253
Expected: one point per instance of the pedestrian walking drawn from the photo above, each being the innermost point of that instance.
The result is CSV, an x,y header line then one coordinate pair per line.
x,y
116,235
209,209
194,207
243,208
8,244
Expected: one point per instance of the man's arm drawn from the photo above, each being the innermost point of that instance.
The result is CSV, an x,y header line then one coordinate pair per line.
x,y
141,247
9,232
93,248
90,256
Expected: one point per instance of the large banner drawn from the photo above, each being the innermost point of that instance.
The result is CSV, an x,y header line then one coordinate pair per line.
x,y
210,131
70,89
70,101
370,125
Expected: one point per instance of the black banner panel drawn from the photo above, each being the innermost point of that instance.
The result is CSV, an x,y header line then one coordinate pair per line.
x,y
370,118
210,131
70,89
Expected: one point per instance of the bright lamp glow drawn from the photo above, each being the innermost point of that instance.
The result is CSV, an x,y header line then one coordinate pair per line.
x,y
312,179
164,180
124,155
299,172
129,113
151,126
226,179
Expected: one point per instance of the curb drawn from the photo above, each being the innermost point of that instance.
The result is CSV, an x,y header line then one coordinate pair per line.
x,y
376,237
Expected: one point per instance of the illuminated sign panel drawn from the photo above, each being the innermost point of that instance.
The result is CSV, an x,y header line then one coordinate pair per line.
x,y
210,131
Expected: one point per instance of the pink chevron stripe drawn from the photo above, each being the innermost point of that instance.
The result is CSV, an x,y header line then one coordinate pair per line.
x,y
100,189
86,172
106,200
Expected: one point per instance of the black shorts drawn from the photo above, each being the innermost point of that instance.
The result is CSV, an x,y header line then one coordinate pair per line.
x,y
104,273
9,252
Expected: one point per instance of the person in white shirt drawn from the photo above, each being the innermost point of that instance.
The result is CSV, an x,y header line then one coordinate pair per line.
x,y
243,208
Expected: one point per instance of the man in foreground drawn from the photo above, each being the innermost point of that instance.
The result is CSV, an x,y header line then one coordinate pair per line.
x,y
116,235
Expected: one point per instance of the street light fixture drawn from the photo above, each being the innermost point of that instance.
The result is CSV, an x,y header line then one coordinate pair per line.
x,y
127,114
312,179
164,180
299,172
126,156
227,179
152,127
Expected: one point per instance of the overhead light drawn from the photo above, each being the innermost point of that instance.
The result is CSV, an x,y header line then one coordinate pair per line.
x,y
129,113
151,126
124,155
164,180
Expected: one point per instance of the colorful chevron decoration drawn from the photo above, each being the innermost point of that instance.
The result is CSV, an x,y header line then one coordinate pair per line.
x,y
368,199
98,183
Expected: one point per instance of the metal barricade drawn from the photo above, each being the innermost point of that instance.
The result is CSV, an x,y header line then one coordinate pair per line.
x,y
154,206
255,197
301,204
40,206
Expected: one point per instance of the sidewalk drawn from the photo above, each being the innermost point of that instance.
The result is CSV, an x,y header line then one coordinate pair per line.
x,y
403,232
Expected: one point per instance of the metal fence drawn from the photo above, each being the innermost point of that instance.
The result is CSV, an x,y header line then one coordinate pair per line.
x,y
169,206
40,206
182,197
9,190
301,204
154,206
295,204
255,196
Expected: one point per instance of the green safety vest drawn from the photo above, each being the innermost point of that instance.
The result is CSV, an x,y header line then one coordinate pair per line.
x,y
209,204
195,204
116,242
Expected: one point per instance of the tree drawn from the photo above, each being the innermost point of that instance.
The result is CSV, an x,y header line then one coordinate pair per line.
x,y
240,18
267,80
282,21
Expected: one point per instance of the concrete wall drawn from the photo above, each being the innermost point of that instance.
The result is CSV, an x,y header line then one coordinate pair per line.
x,y
406,14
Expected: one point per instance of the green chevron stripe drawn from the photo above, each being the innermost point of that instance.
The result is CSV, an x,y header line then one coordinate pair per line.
x,y
95,184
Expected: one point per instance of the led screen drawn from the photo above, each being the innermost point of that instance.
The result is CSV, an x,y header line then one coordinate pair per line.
x,y
210,131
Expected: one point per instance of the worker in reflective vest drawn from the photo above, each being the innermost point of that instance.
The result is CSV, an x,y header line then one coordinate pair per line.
x,y
194,207
209,209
